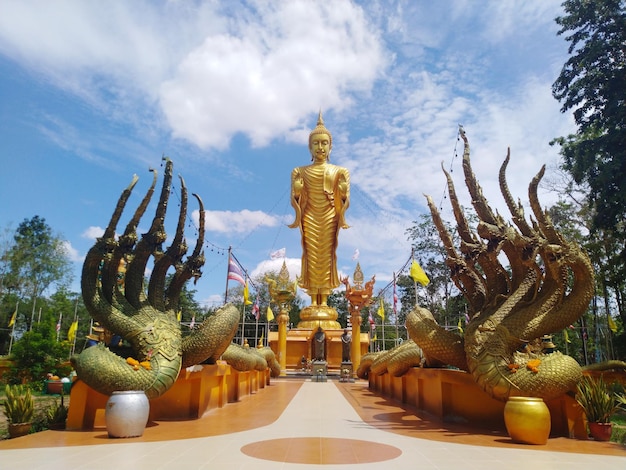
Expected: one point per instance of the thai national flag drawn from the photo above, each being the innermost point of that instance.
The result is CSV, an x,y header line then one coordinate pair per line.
x,y
234,272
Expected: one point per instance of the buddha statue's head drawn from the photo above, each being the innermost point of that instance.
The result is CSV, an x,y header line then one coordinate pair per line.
x,y
320,139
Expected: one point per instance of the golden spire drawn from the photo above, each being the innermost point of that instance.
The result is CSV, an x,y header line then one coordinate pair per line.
x,y
283,278
358,277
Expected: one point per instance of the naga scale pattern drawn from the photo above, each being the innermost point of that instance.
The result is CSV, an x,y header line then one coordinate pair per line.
x,y
145,316
546,286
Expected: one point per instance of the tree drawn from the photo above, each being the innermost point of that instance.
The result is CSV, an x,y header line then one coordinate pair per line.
x,y
438,295
37,259
337,300
591,84
572,219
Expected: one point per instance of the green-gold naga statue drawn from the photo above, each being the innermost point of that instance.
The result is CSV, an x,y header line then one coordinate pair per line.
x,y
146,317
547,286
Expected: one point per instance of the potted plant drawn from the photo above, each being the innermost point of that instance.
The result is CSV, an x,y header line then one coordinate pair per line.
x,y
19,408
598,404
56,415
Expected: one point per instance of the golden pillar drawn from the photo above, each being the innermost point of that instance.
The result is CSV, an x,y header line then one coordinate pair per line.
x,y
283,319
358,296
282,291
355,347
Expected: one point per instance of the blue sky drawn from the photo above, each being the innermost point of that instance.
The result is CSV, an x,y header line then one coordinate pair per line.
x,y
94,92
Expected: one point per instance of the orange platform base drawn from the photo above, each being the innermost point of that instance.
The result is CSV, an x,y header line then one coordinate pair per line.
x,y
196,391
300,343
454,396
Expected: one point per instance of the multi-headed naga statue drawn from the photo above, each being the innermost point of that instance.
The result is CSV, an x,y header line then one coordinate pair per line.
x,y
546,287
147,318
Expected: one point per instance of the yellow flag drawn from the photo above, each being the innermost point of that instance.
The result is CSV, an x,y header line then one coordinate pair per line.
x,y
381,309
567,340
270,314
246,294
612,325
71,333
13,317
375,338
418,274
459,326
179,315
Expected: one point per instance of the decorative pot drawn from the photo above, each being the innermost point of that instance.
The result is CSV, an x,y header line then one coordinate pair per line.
x,y
126,413
19,429
527,420
601,431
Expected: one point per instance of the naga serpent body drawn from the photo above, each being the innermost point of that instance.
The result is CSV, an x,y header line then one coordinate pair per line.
x,y
147,318
546,286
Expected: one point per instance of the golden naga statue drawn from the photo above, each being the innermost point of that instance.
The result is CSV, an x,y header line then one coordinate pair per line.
x,y
146,318
546,287
320,195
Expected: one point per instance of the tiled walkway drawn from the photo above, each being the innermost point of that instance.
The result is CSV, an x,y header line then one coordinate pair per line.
x,y
298,424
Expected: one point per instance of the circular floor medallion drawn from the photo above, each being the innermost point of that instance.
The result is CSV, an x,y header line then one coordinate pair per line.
x,y
321,451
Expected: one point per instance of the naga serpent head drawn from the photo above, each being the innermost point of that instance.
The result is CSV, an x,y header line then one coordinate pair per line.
x,y
521,281
145,316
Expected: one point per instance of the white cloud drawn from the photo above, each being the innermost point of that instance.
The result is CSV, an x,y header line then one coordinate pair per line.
x,y
270,70
394,80
72,253
81,43
275,265
237,221
93,232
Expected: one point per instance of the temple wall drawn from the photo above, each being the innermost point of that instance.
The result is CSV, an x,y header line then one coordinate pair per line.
x,y
196,391
453,396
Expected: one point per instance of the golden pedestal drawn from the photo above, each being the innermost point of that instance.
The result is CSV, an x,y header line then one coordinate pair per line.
x,y
315,316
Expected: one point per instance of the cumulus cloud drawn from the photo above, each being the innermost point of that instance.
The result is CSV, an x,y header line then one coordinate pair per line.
x,y
394,79
263,76
93,232
72,253
237,221
275,265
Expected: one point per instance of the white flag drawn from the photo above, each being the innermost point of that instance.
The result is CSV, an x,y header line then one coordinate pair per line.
x,y
355,256
278,254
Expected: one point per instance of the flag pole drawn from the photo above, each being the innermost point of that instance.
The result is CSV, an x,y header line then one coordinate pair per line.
x,y
382,323
227,266
13,329
59,326
256,333
76,320
243,324
73,349
395,307
414,281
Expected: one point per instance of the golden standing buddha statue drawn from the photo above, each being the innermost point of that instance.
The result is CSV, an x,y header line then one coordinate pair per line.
x,y
320,195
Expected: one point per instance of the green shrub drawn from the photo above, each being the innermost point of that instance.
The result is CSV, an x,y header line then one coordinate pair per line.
x,y
56,414
596,399
18,404
38,353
